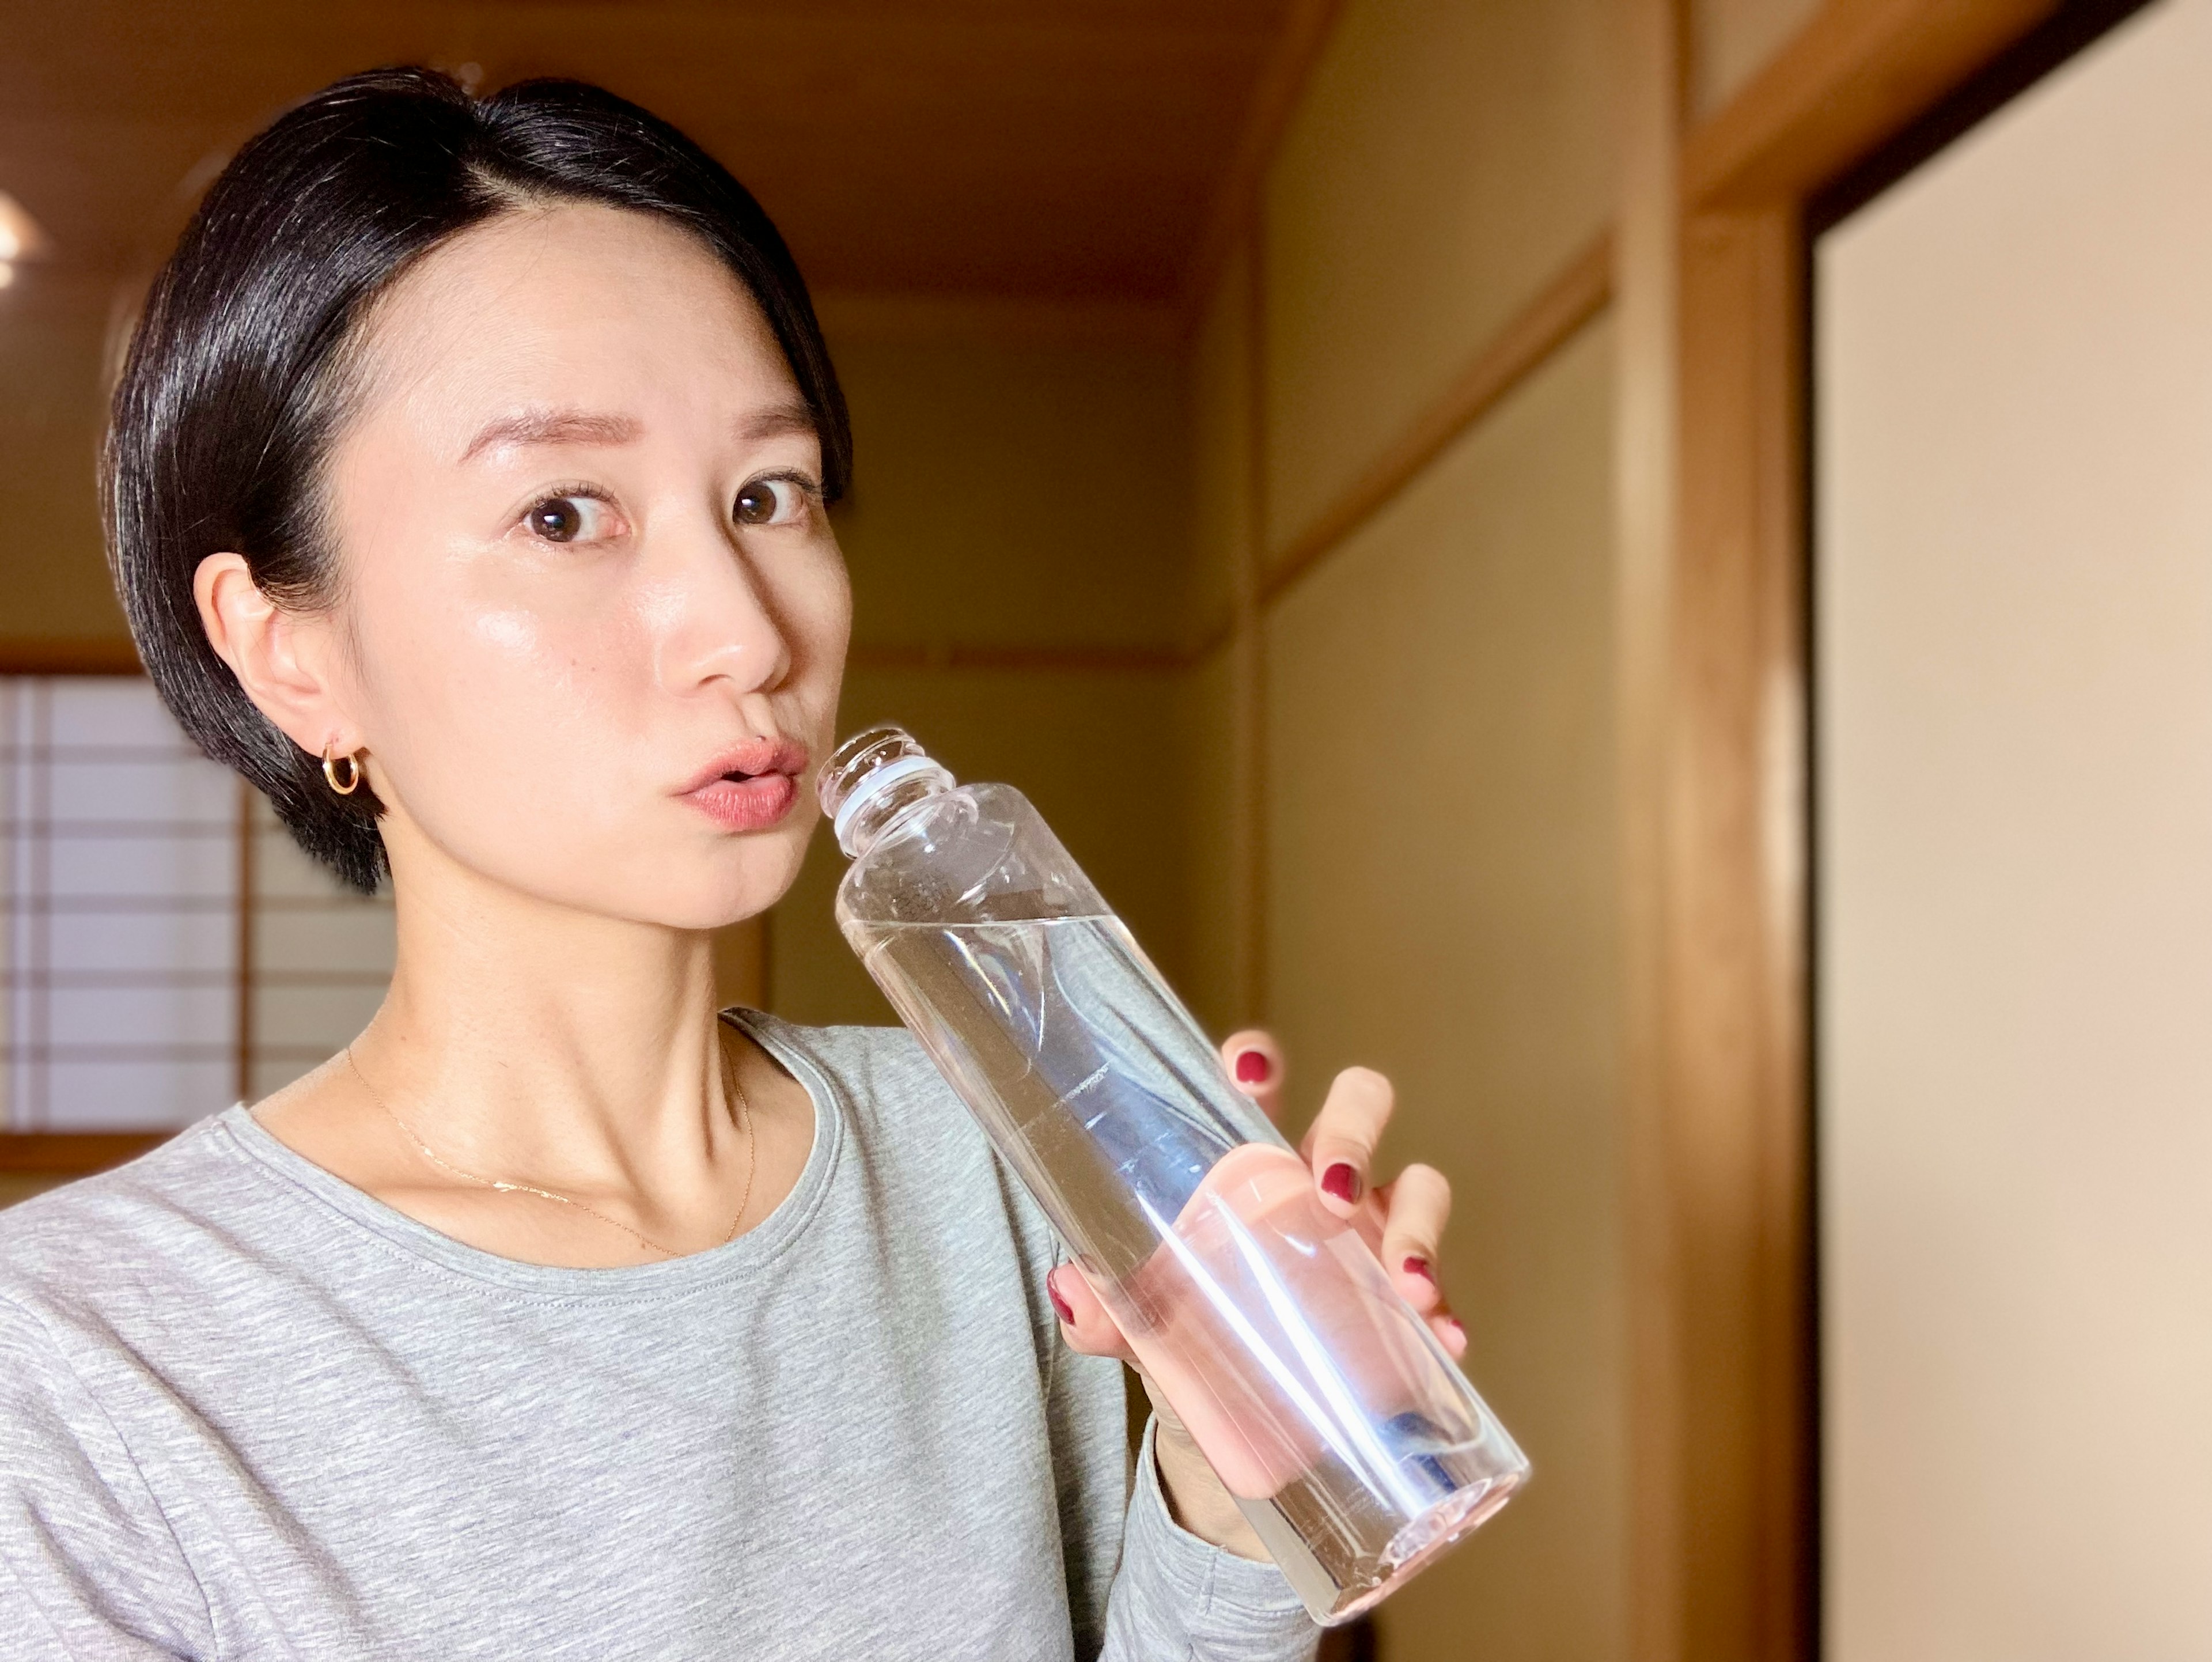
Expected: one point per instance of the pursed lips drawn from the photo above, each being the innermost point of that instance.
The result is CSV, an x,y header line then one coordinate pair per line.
x,y
750,786
751,759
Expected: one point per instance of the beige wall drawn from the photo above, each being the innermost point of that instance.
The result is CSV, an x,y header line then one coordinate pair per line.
x,y
2014,377
1446,160
1443,901
53,575
1011,489
1218,445
1219,983
1214,980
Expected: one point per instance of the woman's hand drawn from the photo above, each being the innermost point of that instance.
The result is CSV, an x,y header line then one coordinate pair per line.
x,y
1402,1219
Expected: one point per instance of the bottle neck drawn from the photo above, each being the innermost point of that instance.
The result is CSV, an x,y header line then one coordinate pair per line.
x,y
875,775
883,794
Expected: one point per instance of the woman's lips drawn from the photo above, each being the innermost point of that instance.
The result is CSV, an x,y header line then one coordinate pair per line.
x,y
747,804
750,786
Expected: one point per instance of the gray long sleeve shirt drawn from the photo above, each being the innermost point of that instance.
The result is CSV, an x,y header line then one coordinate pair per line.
x,y
247,1411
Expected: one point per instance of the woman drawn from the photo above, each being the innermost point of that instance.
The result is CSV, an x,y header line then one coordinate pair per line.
x,y
467,484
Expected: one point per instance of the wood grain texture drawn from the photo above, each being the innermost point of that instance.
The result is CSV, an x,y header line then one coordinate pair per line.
x,y
71,1153
63,655
1646,473
1734,1071
931,146
1857,74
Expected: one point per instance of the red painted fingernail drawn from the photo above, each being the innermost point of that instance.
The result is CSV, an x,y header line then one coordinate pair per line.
x,y
1341,1181
1252,1068
1420,1267
1061,1307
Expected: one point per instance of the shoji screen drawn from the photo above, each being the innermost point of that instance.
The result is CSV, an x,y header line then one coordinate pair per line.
x,y
164,947
2013,629
119,911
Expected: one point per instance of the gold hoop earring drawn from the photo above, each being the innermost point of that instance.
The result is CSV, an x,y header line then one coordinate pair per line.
x,y
352,774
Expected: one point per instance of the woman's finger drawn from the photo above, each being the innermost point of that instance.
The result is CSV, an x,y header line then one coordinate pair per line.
x,y
1340,1145
1083,1322
1255,1061
1416,1205
1412,1230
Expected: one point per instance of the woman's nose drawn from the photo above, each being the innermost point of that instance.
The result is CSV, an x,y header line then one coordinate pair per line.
x,y
718,620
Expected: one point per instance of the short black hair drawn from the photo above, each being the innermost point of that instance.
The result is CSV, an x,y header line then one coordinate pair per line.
x,y
236,380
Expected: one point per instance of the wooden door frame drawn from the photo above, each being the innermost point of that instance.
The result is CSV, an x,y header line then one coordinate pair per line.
x,y
1711,281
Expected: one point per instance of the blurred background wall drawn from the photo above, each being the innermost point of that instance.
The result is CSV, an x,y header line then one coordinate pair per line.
x,y
1239,399
2014,600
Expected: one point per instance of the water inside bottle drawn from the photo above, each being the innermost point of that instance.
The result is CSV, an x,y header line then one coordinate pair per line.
x,y
1266,1322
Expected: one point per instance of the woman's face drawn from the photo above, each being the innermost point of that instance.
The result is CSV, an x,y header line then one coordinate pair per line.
x,y
592,613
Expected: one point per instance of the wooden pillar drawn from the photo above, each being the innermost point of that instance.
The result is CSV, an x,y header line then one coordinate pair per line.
x,y
1735,904
1646,262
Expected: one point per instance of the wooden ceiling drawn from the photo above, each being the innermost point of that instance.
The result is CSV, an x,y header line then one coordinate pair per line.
x,y
1042,150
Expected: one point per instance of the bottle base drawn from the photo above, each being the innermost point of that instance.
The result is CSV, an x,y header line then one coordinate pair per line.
x,y
1336,1587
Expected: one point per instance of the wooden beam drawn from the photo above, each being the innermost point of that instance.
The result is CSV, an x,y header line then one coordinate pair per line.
x,y
1072,660
1576,293
851,318
72,1153
1856,75
1646,472
98,657
87,655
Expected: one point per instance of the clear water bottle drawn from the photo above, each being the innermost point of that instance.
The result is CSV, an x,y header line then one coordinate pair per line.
x,y
1321,1397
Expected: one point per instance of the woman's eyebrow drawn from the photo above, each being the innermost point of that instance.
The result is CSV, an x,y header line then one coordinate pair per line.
x,y
774,420
529,427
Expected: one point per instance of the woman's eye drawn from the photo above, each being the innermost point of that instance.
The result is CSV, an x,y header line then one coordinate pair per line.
x,y
770,502
571,520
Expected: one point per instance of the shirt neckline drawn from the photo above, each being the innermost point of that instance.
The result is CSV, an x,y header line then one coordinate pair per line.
x,y
644,1282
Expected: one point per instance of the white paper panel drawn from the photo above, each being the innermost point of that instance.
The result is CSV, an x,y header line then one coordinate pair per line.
x,y
2013,613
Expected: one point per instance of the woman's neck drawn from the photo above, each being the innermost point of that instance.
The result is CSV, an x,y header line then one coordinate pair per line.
x,y
564,1044
529,1044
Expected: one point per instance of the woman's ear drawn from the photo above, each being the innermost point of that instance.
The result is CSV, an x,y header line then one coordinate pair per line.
x,y
281,658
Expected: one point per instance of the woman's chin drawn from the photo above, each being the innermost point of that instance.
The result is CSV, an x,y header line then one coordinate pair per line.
x,y
737,878
689,876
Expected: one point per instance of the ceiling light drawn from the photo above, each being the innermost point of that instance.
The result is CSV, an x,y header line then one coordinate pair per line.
x,y
20,238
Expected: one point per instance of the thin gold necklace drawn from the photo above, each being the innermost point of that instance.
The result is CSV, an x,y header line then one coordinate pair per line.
x,y
744,1125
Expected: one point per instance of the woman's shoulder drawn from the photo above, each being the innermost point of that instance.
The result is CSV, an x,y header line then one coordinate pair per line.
x,y
908,1125
121,1231
881,1076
